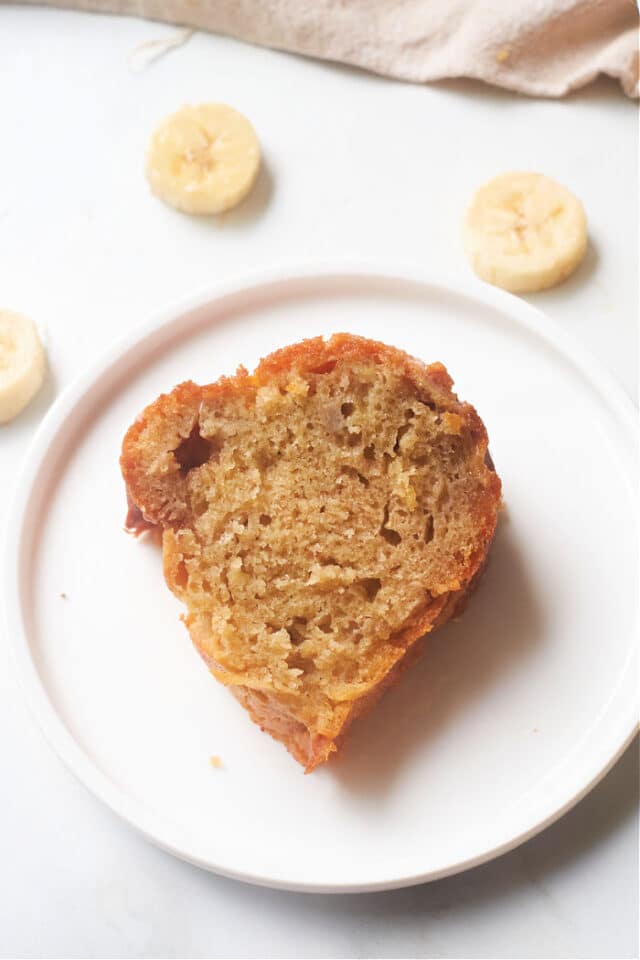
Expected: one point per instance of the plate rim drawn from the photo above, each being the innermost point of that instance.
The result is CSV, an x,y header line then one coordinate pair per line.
x,y
77,761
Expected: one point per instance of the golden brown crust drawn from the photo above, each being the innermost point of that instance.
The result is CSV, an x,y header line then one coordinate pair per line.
x,y
176,413
161,496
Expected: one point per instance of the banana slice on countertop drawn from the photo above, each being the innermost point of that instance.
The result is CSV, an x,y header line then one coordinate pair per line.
x,y
524,232
203,159
22,363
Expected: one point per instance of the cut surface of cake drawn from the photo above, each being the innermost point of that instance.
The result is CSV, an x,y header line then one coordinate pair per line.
x,y
318,517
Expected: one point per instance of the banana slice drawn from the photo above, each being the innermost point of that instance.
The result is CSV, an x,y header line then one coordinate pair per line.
x,y
524,232
203,159
22,363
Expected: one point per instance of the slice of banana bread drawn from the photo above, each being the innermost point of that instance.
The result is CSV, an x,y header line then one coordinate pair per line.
x,y
319,517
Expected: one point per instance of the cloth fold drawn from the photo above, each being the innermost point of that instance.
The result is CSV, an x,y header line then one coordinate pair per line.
x,y
541,48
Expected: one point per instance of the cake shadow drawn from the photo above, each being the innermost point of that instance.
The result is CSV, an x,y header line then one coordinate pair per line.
x,y
461,660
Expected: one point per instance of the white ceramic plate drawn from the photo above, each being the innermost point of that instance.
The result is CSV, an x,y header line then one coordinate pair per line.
x,y
513,713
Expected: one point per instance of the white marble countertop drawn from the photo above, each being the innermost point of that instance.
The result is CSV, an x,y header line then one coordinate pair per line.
x,y
356,166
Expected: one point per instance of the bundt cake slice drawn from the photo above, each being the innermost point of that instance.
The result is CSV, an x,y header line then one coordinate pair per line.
x,y
319,517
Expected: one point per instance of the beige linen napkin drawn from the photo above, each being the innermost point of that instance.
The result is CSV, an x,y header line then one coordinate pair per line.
x,y
538,47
